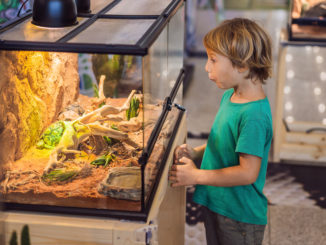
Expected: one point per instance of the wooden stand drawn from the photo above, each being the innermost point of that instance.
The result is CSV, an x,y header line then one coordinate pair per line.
x,y
291,141
165,224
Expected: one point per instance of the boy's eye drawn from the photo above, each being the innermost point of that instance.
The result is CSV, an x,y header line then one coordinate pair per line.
x,y
212,60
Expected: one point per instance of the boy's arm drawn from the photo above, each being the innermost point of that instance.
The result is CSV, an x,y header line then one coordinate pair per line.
x,y
199,151
245,173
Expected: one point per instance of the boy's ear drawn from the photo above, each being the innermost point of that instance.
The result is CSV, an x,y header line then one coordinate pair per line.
x,y
242,69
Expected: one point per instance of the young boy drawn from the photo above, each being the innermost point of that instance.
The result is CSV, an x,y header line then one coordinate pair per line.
x,y
230,182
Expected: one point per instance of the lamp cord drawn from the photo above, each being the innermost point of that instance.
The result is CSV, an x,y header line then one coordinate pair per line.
x,y
21,7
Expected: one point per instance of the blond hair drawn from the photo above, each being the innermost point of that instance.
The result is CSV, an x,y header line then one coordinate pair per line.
x,y
245,43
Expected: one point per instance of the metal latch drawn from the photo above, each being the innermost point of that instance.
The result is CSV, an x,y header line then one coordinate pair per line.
x,y
181,108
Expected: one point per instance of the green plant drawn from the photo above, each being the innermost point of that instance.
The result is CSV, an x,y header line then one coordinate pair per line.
x,y
115,127
104,160
24,238
13,239
60,174
133,109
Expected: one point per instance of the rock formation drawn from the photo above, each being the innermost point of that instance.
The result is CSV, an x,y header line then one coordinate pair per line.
x,y
34,88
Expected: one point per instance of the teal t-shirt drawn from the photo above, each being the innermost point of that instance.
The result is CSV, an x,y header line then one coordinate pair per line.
x,y
238,128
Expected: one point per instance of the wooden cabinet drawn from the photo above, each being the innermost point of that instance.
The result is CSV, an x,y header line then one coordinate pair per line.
x,y
300,116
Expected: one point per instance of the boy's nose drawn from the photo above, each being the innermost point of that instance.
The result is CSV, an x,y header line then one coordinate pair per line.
x,y
206,67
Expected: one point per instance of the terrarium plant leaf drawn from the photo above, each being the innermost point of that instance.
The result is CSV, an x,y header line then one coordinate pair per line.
x,y
59,175
104,160
129,60
111,141
108,140
102,104
115,127
96,90
133,109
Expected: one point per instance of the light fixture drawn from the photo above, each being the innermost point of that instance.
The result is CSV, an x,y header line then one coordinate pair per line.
x,y
54,13
83,6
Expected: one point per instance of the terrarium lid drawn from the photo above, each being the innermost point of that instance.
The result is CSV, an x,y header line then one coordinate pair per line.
x,y
113,26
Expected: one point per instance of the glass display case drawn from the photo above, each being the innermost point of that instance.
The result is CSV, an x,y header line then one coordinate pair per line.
x,y
88,113
300,115
307,20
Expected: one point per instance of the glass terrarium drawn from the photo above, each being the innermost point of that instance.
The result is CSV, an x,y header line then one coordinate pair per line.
x,y
88,112
307,20
305,85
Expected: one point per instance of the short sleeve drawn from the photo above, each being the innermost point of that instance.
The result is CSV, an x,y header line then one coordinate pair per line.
x,y
252,138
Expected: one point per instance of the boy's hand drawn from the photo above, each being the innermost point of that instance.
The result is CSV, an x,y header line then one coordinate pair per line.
x,y
183,151
183,173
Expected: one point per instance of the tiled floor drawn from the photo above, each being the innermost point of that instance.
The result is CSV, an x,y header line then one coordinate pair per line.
x,y
297,209
297,194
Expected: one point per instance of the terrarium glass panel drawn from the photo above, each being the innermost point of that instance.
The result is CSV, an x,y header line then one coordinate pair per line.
x,y
71,127
98,5
175,51
26,31
305,85
156,159
113,31
156,86
139,7
161,68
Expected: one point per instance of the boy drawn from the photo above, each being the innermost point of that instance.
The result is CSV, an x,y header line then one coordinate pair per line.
x,y
230,182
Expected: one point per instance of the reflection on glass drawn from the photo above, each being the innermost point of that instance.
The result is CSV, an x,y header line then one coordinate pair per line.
x,y
113,31
26,31
161,68
98,5
155,82
139,7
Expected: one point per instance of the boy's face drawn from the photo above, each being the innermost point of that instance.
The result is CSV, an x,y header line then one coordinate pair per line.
x,y
221,71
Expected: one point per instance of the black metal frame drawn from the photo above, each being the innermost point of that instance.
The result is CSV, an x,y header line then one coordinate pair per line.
x,y
295,41
146,206
167,106
309,21
292,41
153,138
13,22
61,45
